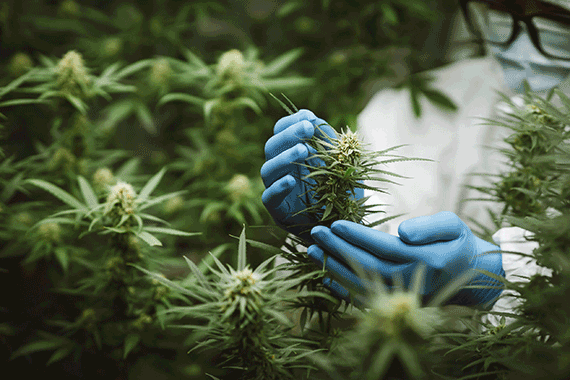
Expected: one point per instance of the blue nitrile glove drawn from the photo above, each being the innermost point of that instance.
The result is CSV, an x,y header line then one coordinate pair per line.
x,y
285,192
442,241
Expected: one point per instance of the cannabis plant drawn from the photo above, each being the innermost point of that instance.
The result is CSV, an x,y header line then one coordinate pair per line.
x,y
394,334
533,192
117,308
239,313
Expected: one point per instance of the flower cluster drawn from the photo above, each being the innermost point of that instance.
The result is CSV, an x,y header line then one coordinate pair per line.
x,y
72,76
245,313
121,199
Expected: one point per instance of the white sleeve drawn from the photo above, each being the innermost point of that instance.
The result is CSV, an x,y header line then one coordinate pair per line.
x,y
517,268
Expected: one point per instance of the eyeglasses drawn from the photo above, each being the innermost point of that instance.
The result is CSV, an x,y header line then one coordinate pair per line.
x,y
498,22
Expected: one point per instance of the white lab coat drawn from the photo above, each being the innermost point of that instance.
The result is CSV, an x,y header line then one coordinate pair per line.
x,y
457,142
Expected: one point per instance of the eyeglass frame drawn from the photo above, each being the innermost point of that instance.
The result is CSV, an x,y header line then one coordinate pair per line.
x,y
517,12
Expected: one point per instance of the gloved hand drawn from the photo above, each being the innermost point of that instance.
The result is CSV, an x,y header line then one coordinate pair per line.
x,y
442,241
285,192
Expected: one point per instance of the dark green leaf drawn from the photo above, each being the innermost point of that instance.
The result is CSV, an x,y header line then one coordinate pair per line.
x,y
440,99
131,341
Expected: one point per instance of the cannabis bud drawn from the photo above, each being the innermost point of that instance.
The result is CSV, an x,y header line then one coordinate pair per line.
x,y
540,115
392,313
231,64
173,204
19,64
72,76
69,8
49,232
239,188
24,218
160,73
242,292
62,158
121,199
103,178
112,46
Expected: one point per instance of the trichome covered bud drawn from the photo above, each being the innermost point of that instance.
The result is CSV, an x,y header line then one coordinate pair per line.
x,y
72,76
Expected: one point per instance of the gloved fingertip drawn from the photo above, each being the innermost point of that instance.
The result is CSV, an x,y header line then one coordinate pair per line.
x,y
301,152
342,227
338,290
289,182
306,114
308,129
318,232
338,225
316,254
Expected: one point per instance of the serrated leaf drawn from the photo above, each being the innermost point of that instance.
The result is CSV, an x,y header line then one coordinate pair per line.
x,y
303,319
389,14
61,256
30,348
20,102
241,251
59,193
414,99
194,59
145,118
440,99
131,342
149,239
163,280
199,275
88,193
283,61
77,103
128,168
16,82
133,68
151,185
170,231
283,105
59,354
328,211
182,98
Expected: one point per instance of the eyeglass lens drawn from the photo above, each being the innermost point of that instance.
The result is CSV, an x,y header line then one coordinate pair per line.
x,y
496,26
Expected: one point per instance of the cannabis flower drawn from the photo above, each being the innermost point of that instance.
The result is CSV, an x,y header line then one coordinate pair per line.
x,y
121,199
69,8
19,64
173,205
239,187
230,64
348,147
393,313
112,46
62,158
49,232
72,76
160,73
103,178
243,292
